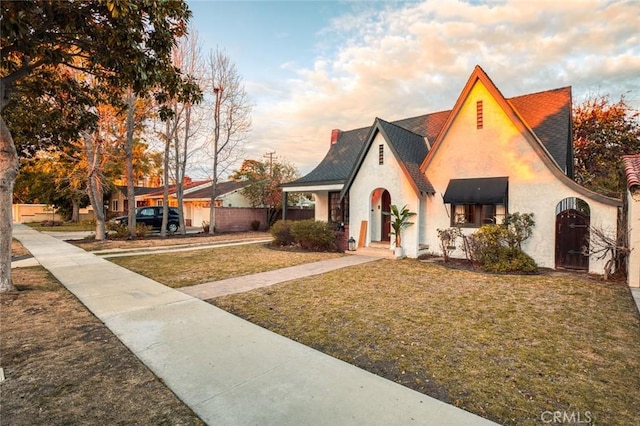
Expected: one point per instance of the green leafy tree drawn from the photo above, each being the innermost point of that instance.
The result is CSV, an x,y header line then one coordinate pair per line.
x,y
603,131
120,44
263,183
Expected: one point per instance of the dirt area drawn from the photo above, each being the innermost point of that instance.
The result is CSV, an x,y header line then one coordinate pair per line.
x,y
63,366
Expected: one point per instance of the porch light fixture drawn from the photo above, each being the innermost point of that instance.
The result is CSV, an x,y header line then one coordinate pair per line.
x,y
352,244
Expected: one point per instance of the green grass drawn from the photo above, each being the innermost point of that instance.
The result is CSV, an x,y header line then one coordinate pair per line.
x,y
179,269
507,348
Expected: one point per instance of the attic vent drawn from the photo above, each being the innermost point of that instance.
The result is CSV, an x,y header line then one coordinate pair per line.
x,y
479,115
380,154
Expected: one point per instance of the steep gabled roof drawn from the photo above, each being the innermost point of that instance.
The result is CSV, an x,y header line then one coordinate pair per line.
x,y
409,149
339,161
545,117
516,117
548,114
632,170
222,188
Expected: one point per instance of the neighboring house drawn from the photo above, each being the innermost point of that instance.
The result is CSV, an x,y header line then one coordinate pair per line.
x,y
118,203
632,171
486,157
197,202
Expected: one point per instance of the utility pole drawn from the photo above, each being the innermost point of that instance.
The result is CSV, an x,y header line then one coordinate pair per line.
x,y
270,156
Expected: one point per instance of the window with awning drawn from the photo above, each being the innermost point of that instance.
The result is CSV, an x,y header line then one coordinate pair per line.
x,y
477,202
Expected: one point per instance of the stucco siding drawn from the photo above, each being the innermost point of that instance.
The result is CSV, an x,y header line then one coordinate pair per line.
x,y
321,199
365,200
633,218
500,149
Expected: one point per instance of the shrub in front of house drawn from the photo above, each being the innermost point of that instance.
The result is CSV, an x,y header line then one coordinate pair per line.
x,y
313,234
255,225
119,231
497,248
281,233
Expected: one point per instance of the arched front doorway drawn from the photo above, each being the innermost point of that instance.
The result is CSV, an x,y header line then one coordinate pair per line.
x,y
380,224
573,217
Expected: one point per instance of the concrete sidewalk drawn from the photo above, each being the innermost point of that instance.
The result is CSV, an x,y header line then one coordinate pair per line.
x,y
227,370
263,279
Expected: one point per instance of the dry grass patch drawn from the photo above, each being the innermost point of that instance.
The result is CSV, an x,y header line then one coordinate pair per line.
x,y
507,348
64,367
18,249
155,240
179,269
63,227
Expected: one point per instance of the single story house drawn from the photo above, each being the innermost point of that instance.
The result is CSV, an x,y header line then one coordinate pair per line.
x,y
196,198
486,157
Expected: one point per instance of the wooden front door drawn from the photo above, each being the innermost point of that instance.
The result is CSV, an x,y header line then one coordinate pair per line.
x,y
386,219
572,240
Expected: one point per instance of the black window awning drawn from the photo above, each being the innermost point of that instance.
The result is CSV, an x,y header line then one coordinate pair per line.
x,y
477,191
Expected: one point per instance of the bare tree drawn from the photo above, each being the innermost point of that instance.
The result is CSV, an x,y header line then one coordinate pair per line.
x,y
183,124
231,118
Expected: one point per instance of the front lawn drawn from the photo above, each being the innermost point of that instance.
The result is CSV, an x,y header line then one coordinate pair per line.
x,y
64,367
63,227
508,348
179,269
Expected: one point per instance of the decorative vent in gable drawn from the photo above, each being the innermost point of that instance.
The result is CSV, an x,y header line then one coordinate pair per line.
x,y
479,115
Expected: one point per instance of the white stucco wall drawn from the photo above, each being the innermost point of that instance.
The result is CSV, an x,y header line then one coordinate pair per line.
x,y
633,226
235,198
387,176
321,199
497,150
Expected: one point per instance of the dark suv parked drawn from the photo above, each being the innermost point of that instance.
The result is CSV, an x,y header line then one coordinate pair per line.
x,y
152,216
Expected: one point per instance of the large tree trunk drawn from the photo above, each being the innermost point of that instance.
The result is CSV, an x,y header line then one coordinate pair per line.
x,y
165,177
75,209
131,195
94,183
8,172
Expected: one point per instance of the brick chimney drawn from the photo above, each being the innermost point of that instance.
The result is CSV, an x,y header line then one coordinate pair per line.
x,y
335,134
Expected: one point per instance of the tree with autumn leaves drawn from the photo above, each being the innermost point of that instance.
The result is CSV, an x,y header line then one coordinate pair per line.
x,y
114,45
604,131
263,180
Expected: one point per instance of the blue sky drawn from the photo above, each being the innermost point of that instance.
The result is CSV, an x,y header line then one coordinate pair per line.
x,y
312,66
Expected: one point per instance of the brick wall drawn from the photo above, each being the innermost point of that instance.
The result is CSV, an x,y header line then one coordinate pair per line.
x,y
237,219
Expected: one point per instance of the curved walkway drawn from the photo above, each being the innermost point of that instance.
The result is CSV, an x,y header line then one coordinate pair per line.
x,y
228,370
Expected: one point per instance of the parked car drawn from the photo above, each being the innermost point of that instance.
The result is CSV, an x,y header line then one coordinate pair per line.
x,y
152,216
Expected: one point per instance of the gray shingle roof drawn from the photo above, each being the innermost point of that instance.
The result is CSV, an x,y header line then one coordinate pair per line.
x,y
410,148
547,113
339,161
221,188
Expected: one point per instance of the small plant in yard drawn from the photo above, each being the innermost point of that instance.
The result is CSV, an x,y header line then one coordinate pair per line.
x,y
255,225
281,233
314,235
497,248
400,219
448,239
119,231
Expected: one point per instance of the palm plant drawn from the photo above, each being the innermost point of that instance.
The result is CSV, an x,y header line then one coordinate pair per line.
x,y
399,221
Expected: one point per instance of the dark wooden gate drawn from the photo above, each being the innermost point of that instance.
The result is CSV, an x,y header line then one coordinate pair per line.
x,y
572,240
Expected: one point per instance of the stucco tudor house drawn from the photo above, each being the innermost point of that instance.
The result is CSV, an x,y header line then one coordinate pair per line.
x,y
487,156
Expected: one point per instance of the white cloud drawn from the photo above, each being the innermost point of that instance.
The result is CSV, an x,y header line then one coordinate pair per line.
x,y
402,62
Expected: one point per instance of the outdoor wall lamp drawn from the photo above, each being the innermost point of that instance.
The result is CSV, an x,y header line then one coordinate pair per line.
x,y
352,244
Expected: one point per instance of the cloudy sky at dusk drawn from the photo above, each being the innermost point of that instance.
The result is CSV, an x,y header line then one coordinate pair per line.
x,y
312,66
